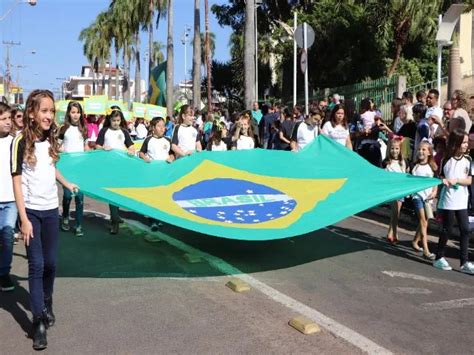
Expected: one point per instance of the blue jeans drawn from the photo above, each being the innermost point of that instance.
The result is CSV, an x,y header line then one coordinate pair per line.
x,y
79,199
8,215
42,256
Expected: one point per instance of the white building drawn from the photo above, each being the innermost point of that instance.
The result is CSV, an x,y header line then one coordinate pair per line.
x,y
78,87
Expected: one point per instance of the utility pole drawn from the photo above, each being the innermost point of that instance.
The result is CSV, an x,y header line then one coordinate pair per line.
x,y
6,80
184,41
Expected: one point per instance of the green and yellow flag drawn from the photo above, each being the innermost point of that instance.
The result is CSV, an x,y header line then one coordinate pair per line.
x,y
157,88
249,195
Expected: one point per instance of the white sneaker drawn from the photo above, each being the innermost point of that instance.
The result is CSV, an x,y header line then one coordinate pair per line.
x,y
442,264
468,268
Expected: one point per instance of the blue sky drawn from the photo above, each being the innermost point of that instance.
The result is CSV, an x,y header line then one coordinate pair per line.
x,y
51,28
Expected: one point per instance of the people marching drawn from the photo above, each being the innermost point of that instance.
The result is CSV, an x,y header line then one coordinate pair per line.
x,y
421,139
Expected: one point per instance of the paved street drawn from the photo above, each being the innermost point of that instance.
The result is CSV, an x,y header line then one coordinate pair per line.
x,y
121,294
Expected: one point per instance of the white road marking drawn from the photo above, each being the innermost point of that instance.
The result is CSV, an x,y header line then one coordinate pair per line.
x,y
460,303
410,290
330,324
415,277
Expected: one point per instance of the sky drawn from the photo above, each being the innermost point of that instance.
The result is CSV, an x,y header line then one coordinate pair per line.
x,y
51,30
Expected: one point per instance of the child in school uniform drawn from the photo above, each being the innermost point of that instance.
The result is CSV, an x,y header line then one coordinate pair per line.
x,y
156,147
8,210
218,140
73,138
34,155
243,137
186,139
114,135
453,199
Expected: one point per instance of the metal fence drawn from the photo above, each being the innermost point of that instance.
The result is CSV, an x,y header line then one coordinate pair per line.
x,y
382,91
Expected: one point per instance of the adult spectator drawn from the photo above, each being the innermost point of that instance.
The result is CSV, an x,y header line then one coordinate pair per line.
x,y
256,113
460,106
421,97
286,129
335,100
422,126
395,108
266,126
298,113
434,113
304,132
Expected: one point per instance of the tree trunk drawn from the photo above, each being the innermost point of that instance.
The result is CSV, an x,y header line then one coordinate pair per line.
x,y
151,63
138,87
169,63
197,56
102,90
249,53
396,60
117,73
208,58
126,84
109,78
454,70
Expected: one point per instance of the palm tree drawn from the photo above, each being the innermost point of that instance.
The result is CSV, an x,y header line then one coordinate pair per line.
x,y
405,21
120,12
208,56
249,53
197,55
212,46
87,36
160,7
169,63
157,55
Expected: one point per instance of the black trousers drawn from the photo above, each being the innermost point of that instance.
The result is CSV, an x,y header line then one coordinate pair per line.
x,y
447,231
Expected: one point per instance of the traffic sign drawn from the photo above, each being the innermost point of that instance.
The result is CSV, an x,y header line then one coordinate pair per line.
x,y
300,38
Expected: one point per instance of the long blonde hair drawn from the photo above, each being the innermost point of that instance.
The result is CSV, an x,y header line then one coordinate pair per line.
x,y
32,131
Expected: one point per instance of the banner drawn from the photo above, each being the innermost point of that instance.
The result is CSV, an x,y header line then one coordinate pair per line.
x,y
95,105
121,104
250,194
138,109
157,88
154,111
61,108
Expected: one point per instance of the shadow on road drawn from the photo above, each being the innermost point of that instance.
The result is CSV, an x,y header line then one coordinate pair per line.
x,y
17,303
126,255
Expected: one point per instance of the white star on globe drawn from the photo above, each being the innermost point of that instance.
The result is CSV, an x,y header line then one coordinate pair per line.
x,y
249,191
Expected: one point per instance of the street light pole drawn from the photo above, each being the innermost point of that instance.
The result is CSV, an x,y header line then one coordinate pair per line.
x,y
30,2
257,4
184,41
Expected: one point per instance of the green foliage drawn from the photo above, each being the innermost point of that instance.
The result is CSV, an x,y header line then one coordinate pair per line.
x,y
354,40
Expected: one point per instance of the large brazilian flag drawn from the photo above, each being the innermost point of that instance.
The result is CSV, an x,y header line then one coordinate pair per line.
x,y
249,195
157,88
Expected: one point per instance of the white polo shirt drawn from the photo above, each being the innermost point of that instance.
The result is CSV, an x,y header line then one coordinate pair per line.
x,y
244,143
156,148
426,171
455,197
114,138
39,187
185,137
73,140
303,134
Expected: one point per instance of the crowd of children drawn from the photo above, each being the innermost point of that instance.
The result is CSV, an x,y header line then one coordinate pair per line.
x,y
423,140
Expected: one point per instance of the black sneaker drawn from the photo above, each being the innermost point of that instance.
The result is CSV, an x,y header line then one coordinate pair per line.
x,y
6,283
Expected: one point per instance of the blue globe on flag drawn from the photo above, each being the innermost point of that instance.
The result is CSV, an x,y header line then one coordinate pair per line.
x,y
234,201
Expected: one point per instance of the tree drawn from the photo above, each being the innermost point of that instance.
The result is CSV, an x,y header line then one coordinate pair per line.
x,y
169,61
212,46
403,20
208,57
197,55
157,53
249,53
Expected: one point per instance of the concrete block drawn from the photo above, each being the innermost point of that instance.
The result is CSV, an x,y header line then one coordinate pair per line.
x,y
152,238
304,325
192,259
237,285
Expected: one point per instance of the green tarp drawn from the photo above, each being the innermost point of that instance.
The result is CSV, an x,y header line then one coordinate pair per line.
x,y
249,195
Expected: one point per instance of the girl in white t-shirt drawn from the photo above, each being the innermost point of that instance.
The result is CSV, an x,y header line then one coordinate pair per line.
x,y
424,166
337,128
453,199
395,163
218,134
243,136
73,139
114,135
34,155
